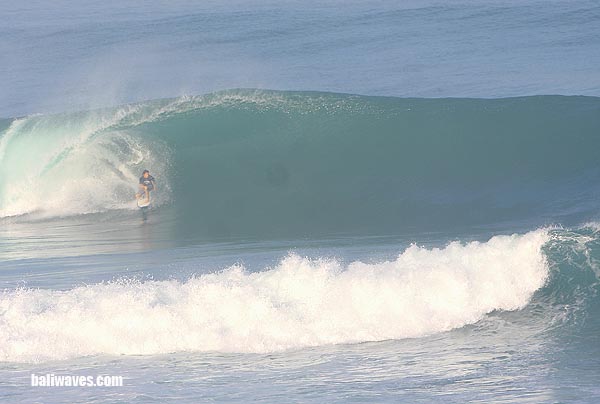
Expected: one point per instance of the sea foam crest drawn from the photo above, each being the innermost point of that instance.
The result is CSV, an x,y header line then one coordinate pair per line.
x,y
299,303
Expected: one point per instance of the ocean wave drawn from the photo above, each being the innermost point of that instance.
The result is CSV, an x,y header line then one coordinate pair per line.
x,y
298,303
269,164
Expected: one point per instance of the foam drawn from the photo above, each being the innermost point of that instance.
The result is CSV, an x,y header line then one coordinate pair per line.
x,y
594,226
299,303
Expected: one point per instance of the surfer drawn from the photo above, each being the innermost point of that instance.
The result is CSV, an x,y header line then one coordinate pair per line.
x,y
147,184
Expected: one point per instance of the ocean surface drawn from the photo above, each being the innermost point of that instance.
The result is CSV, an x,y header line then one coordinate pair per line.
x,y
356,201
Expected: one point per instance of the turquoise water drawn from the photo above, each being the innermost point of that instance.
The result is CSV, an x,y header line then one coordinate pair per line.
x,y
306,243
268,165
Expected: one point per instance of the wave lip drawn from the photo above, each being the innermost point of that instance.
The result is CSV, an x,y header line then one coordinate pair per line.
x,y
299,303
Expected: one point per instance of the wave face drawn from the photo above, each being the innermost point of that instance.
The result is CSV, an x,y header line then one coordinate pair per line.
x,y
269,164
298,303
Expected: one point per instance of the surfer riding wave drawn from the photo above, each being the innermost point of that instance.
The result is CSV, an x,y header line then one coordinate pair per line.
x,y
147,183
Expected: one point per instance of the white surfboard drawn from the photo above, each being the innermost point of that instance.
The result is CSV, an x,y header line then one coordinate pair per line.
x,y
143,203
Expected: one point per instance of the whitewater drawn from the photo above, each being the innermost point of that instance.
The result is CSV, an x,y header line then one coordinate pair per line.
x,y
298,303
357,202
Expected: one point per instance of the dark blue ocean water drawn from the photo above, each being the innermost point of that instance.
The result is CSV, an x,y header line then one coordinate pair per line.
x,y
80,54
433,239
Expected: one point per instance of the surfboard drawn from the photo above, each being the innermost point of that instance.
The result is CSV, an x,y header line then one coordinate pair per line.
x,y
143,203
